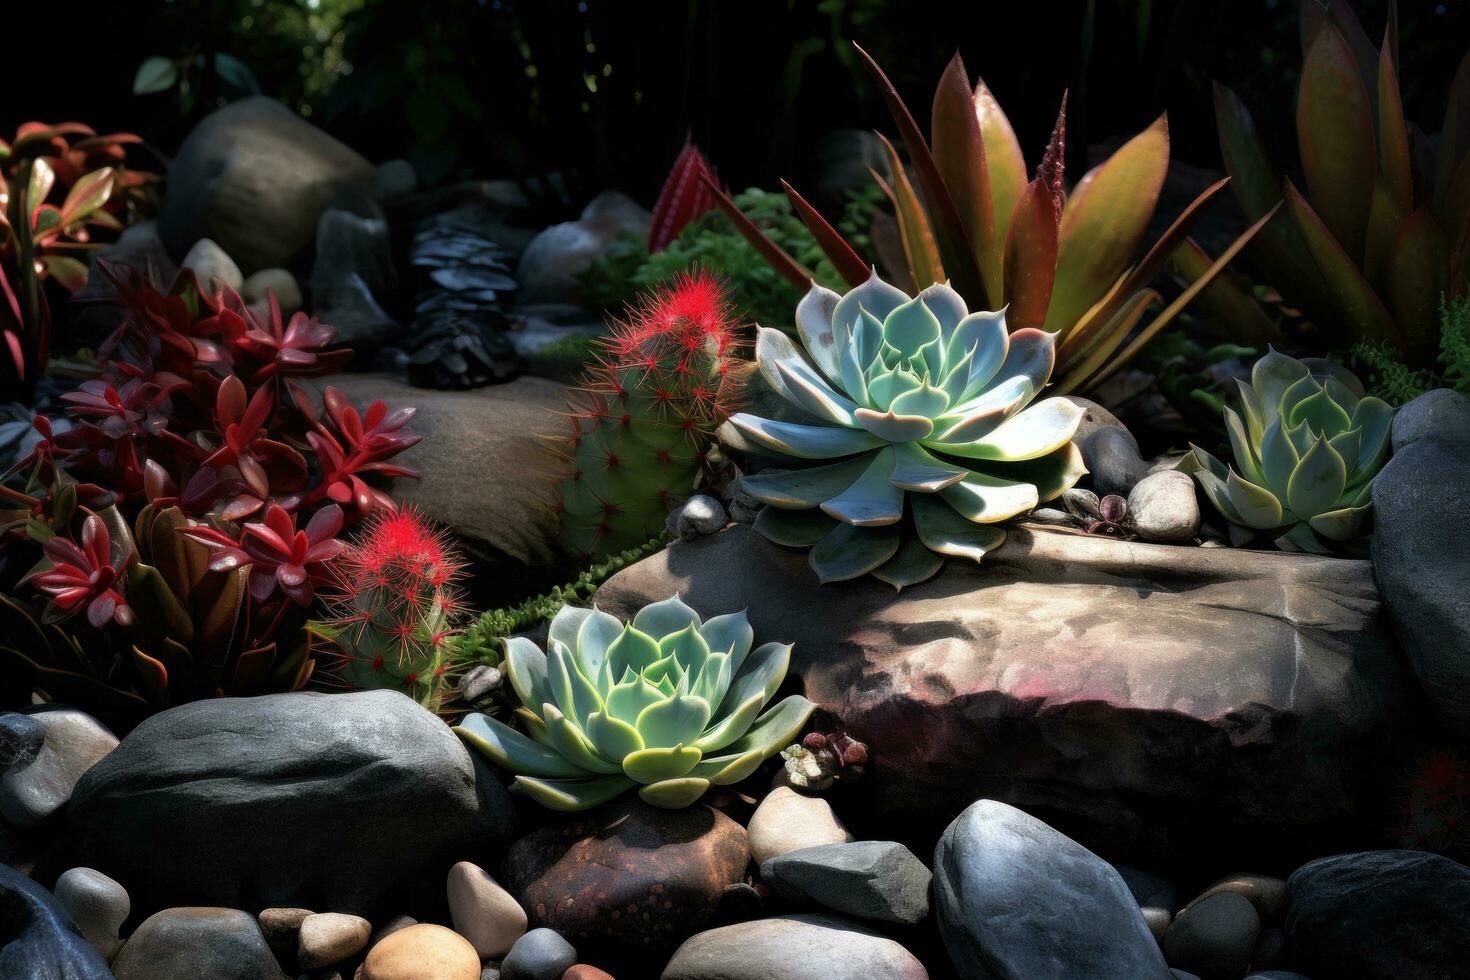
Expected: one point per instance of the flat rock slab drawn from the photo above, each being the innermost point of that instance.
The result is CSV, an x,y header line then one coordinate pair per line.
x,y
486,468
1148,698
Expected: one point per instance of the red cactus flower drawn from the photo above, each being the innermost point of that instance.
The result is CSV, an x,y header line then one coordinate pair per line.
x,y
84,576
277,553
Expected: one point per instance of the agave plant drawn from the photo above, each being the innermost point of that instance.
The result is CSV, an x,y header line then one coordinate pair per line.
x,y
1066,263
1305,452
1380,231
924,405
669,703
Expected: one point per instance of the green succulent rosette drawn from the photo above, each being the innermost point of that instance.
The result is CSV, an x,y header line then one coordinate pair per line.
x,y
668,703
924,417
1306,448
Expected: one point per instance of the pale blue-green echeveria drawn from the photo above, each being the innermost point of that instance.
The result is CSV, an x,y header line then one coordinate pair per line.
x,y
921,413
667,703
1306,453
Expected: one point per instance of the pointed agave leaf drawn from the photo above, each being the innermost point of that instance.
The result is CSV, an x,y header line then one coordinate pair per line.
x,y
1339,151
1227,300
511,750
1393,134
1006,172
726,770
1454,135
597,633
777,257
612,737
913,564
678,720
1418,275
1031,257
627,698
849,552
818,332
784,369
565,626
959,153
801,489
915,233
1315,14
573,795
1353,297
775,729
949,231
1104,220
793,529
1052,475
844,258
1253,177
731,634
733,725
944,531
916,470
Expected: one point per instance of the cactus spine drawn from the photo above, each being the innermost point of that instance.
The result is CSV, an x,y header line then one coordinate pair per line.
x,y
641,438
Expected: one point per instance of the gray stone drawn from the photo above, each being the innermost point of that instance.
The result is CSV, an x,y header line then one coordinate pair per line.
x,y
212,266
1270,948
793,947
254,176
551,267
1016,900
297,799
880,881
1148,889
352,270
1380,915
480,682
787,821
1163,507
37,937
189,943
326,938
1277,975
396,178
1214,937
260,286
483,912
37,782
1184,975
696,517
538,955
97,904
502,514
1421,556
282,930
1440,414
356,316
1147,698
1266,893
1113,462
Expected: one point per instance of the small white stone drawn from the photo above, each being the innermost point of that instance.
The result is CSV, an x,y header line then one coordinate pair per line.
x,y
210,263
696,517
1163,507
330,937
483,912
259,285
788,821
97,904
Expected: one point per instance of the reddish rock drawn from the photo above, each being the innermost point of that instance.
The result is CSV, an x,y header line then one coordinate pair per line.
x,y
583,971
627,874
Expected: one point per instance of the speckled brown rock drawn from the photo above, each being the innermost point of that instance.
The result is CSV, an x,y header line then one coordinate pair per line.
x,y
627,874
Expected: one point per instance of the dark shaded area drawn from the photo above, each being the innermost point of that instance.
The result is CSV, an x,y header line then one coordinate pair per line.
x,y
606,91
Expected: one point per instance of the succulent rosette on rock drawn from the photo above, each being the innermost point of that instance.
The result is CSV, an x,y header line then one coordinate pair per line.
x,y
1305,452
924,417
669,703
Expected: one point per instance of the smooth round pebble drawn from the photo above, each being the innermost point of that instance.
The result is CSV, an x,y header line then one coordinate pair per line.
x,y
1267,894
540,954
209,262
97,904
1215,937
584,971
258,287
787,821
422,952
483,912
330,937
696,517
282,928
1163,507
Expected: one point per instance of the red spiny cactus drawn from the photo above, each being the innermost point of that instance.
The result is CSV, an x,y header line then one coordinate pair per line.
x,y
662,385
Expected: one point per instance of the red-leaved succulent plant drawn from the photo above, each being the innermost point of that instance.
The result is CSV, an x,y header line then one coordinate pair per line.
x,y
83,577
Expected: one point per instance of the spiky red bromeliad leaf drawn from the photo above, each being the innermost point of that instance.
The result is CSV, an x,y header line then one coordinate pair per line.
x,y
685,196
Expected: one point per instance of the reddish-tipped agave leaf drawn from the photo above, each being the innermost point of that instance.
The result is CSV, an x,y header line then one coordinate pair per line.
x,y
944,219
1418,275
959,153
1005,169
1350,293
790,269
1385,217
1104,219
1334,122
1031,257
685,196
1227,301
920,248
849,264
1315,14
1393,134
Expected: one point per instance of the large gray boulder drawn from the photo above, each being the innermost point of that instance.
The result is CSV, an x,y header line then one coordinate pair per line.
x,y
307,800
1017,900
38,940
254,176
1421,548
1167,701
486,463
1380,915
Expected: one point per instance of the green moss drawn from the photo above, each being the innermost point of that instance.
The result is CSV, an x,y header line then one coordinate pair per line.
x,y
1392,380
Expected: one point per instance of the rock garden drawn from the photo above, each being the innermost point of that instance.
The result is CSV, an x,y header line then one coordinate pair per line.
x,y
977,562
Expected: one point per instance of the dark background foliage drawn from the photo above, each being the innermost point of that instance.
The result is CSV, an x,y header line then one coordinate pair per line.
x,y
605,90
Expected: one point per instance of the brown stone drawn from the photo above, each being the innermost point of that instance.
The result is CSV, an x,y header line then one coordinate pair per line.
x,y
422,952
583,971
1141,698
627,874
